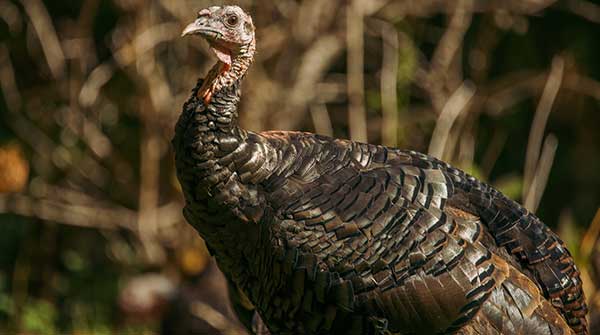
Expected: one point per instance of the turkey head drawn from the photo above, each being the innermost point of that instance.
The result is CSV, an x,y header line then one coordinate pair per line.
x,y
230,33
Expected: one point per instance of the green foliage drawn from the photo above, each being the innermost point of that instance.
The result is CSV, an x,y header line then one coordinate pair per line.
x,y
7,305
39,317
510,185
74,262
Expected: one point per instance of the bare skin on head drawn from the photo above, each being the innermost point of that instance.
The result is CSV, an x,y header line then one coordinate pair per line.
x,y
230,33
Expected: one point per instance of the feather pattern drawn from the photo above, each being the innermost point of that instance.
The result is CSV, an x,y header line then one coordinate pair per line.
x,y
330,236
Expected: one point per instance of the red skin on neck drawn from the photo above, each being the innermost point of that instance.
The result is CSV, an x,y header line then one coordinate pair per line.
x,y
223,73
209,85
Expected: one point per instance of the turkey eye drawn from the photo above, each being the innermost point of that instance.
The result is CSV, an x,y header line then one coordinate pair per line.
x,y
232,20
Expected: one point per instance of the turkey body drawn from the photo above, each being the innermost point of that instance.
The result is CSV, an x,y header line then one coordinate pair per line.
x,y
329,236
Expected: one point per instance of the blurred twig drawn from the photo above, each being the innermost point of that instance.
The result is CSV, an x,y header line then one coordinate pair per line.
x,y
90,90
389,85
538,126
426,8
357,117
457,102
215,318
10,14
466,144
582,84
149,187
440,78
314,64
321,120
46,33
7,80
497,143
83,215
540,178
586,9
591,236
76,215
36,137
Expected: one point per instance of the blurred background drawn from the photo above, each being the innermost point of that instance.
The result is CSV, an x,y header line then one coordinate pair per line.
x,y
92,240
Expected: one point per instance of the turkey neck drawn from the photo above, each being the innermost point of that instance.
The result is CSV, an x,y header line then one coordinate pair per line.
x,y
223,75
212,154
209,122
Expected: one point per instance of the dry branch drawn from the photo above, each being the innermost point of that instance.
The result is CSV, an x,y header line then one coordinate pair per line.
x,y
389,85
586,9
591,236
357,114
538,126
40,19
70,214
457,103
321,120
315,62
215,319
540,178
440,78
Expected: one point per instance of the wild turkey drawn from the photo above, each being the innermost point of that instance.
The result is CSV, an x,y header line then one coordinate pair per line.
x,y
330,236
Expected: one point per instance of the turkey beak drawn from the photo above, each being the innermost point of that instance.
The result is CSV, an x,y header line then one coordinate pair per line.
x,y
193,28
200,26
203,28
